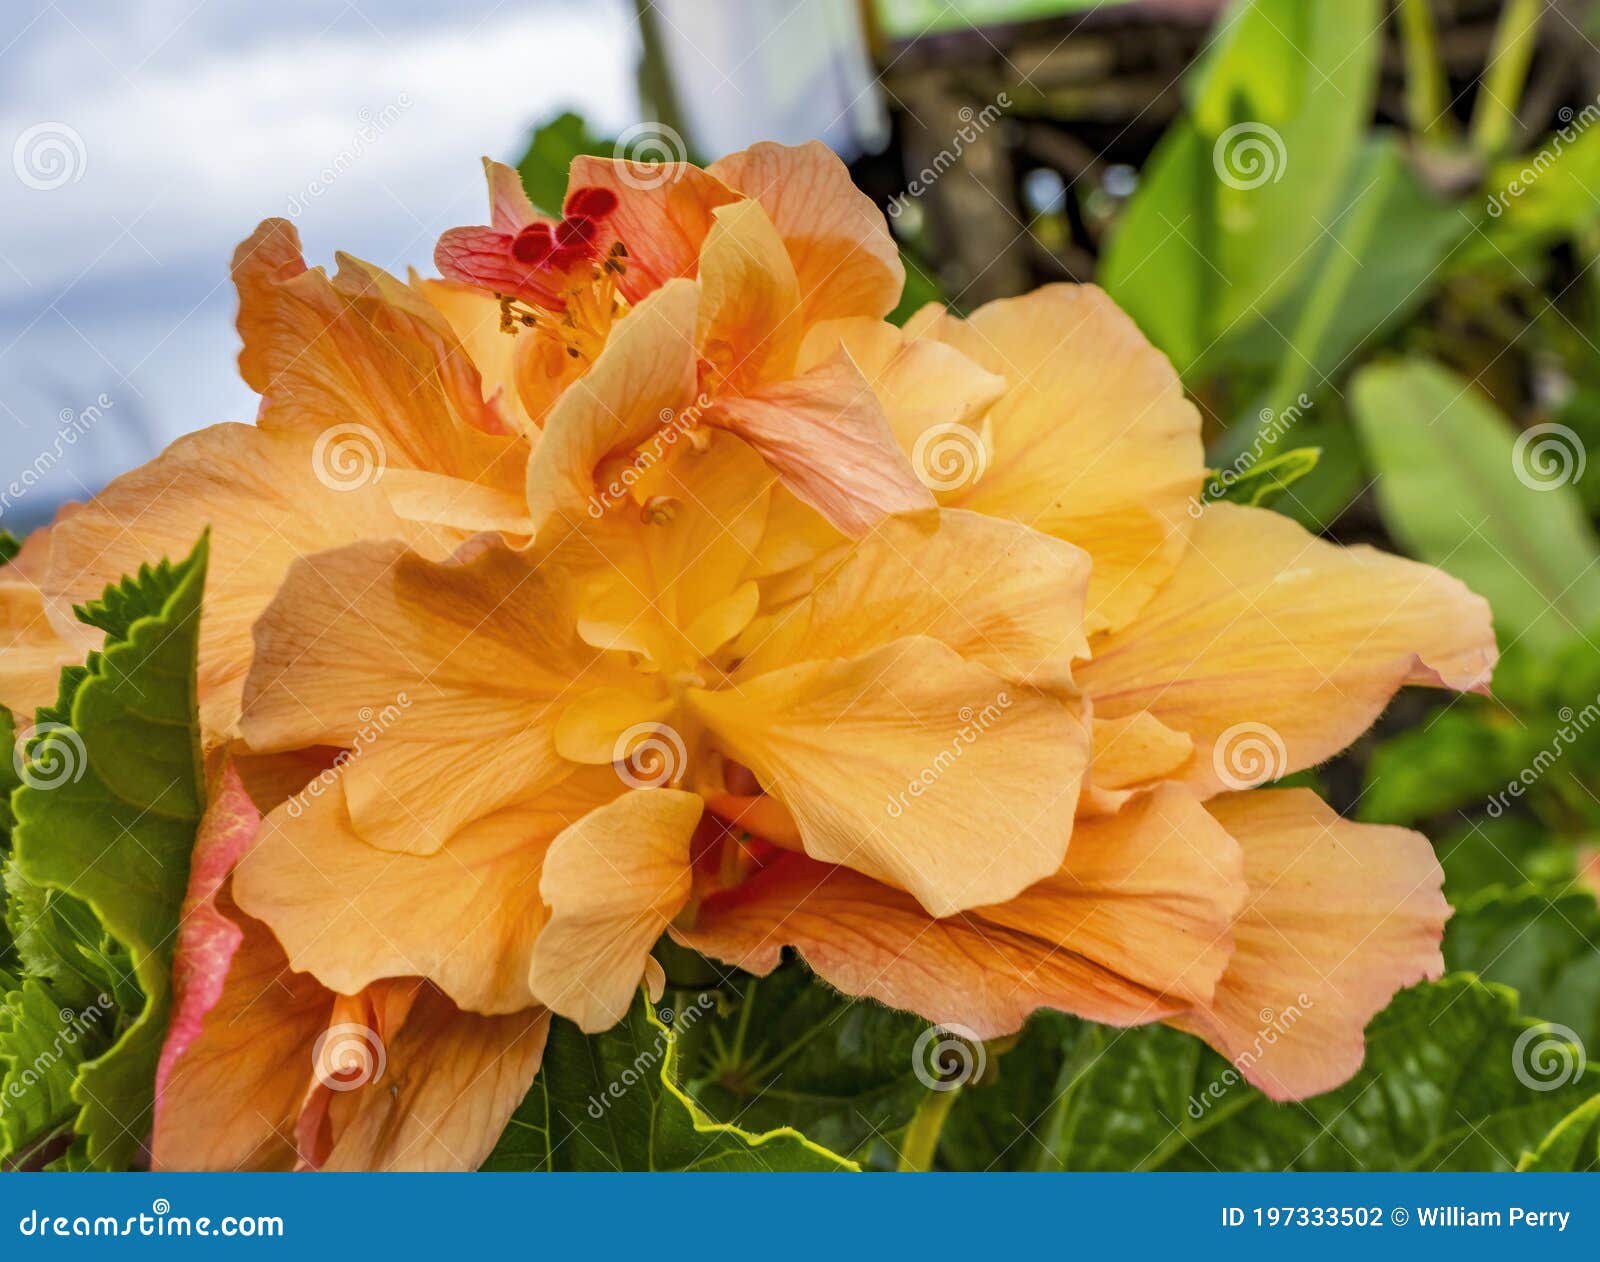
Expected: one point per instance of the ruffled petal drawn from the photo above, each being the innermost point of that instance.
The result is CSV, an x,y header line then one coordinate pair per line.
x,y
1273,649
1339,917
1093,440
847,262
612,881
913,765
748,329
1137,918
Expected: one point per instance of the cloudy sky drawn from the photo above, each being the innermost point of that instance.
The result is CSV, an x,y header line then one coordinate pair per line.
x,y
145,139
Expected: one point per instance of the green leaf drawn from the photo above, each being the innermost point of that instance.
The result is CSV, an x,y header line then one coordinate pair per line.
x,y
1456,756
1439,1091
1573,1144
793,1051
613,1101
1261,483
1544,943
43,1042
1456,491
1232,202
10,545
551,149
109,818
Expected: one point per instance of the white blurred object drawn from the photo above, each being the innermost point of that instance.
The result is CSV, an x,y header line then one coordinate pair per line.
x,y
748,70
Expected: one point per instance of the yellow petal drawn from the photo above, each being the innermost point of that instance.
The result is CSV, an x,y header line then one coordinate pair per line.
x,y
465,918
612,881
993,590
914,766
474,317
432,499
923,384
364,360
748,327
445,680
1093,440
1339,917
591,728
265,504
643,376
847,262
1136,919
1129,753
1273,649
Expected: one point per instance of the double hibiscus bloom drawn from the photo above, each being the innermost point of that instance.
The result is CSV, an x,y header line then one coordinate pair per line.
x,y
697,599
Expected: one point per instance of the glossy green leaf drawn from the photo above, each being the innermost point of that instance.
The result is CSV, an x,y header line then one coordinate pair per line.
x,y
1457,490
1542,942
1262,483
1439,1091
1573,1144
613,1101
108,818
43,1044
789,1050
551,149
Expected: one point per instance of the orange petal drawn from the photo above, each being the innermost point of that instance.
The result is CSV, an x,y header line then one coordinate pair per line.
x,y
32,648
465,917
847,262
230,1101
1339,917
261,495
451,1082
894,762
1129,753
643,376
749,323
365,357
824,434
1136,919
1093,441
418,667
1273,649
923,385
474,317
995,591
612,880
662,217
